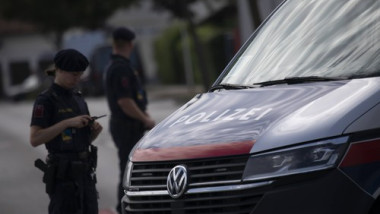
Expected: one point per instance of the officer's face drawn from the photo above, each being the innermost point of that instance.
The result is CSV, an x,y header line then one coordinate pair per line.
x,y
68,79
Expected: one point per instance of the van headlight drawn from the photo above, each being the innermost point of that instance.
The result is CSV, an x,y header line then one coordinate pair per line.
x,y
295,160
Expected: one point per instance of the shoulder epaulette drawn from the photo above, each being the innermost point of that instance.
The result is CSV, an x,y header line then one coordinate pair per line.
x,y
49,93
77,92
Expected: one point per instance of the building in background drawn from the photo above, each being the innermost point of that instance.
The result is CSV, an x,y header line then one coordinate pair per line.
x,y
22,53
25,53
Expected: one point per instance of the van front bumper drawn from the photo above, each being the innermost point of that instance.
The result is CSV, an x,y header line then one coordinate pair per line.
x,y
327,193
324,192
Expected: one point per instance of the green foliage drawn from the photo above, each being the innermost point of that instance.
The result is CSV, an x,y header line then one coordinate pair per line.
x,y
169,54
214,40
179,9
169,57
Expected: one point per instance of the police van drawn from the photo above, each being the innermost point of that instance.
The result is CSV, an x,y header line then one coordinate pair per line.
x,y
291,126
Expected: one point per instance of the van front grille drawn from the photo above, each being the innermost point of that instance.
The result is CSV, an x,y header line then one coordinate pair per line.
x,y
224,202
153,175
215,186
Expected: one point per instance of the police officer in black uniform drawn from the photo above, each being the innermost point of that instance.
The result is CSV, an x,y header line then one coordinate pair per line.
x,y
61,121
126,99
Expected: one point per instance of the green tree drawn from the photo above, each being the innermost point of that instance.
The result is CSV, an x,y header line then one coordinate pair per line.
x,y
59,15
180,9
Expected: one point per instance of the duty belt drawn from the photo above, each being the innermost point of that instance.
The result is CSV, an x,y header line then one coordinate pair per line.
x,y
68,156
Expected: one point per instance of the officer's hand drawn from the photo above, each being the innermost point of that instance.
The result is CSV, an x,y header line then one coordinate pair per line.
x,y
149,123
79,121
96,128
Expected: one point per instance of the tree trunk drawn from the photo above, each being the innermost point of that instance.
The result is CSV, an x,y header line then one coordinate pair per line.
x,y
200,55
255,13
59,39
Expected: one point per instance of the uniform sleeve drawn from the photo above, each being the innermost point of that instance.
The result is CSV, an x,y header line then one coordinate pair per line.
x,y
87,109
42,112
122,82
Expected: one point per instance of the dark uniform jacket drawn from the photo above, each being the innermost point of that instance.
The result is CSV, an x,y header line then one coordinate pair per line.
x,y
122,81
57,104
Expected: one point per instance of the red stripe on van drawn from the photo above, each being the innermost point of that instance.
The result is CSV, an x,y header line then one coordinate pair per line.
x,y
193,152
362,153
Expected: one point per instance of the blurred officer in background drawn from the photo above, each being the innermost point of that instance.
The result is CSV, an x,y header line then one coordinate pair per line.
x,y
126,99
61,120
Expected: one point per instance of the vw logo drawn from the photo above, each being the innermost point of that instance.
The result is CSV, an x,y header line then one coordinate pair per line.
x,y
177,181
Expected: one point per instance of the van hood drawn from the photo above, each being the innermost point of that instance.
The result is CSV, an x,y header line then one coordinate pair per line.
x,y
237,122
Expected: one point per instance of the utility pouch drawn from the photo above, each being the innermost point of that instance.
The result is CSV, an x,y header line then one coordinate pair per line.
x,y
93,156
77,169
62,169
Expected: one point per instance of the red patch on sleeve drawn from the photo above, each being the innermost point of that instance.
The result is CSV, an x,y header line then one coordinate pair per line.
x,y
124,82
38,111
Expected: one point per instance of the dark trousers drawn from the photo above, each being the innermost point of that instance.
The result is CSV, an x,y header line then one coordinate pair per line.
x,y
74,197
125,135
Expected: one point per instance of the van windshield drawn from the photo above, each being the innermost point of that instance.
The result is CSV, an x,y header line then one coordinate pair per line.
x,y
311,38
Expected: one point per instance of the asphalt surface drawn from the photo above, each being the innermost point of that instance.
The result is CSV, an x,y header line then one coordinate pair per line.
x,y
21,187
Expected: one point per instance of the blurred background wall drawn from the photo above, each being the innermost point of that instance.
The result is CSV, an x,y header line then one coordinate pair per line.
x,y
178,42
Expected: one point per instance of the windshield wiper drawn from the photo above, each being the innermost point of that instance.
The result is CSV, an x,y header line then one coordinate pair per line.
x,y
357,76
229,87
296,80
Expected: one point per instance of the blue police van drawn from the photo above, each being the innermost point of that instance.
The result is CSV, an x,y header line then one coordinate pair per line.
x,y
291,126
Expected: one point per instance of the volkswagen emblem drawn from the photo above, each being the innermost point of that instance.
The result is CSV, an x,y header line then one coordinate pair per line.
x,y
177,181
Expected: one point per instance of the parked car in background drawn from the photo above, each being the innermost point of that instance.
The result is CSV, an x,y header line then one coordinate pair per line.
x,y
292,125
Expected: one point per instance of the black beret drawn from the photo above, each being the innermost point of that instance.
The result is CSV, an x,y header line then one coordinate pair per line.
x,y
123,33
70,60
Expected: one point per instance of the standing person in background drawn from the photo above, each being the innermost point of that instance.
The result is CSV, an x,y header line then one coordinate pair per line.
x,y
127,101
61,120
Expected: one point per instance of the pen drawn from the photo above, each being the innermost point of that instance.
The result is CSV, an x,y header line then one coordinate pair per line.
x,y
97,117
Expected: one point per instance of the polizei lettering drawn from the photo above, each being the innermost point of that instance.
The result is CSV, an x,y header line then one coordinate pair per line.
x,y
226,115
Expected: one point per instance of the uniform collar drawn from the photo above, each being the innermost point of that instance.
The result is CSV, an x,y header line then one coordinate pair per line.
x,y
60,90
117,56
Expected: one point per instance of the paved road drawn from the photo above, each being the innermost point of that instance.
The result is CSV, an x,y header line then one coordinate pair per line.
x,y
21,187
